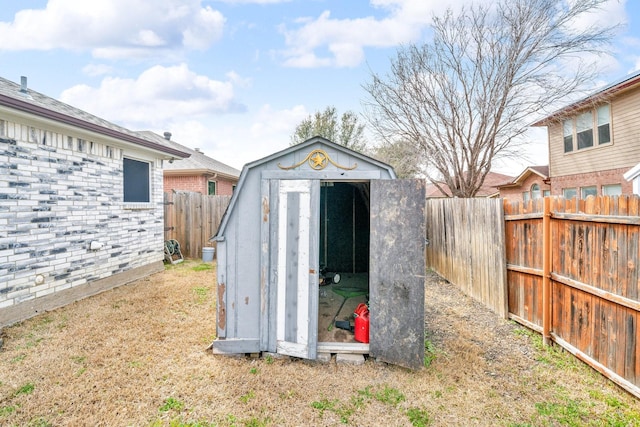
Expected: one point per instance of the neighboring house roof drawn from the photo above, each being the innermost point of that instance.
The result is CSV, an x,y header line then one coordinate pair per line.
x,y
541,171
603,93
489,187
196,164
21,98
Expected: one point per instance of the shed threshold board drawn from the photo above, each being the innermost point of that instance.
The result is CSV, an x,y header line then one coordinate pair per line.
x,y
343,347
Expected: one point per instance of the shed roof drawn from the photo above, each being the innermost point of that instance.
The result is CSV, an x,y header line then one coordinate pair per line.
x,y
21,98
298,147
609,90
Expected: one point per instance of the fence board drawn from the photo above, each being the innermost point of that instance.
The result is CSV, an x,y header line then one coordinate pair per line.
x,y
192,219
594,279
466,246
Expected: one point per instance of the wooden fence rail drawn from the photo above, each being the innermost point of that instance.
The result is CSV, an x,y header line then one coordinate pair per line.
x,y
192,219
591,305
466,246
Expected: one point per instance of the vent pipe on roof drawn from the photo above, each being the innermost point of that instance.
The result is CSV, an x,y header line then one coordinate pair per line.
x,y
198,150
167,136
23,84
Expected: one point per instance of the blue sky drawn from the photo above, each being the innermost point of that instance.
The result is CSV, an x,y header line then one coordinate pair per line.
x,y
233,77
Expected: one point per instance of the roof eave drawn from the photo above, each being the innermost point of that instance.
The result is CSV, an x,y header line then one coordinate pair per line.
x,y
29,108
579,105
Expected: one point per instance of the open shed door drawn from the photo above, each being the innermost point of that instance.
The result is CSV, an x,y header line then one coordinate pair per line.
x,y
397,272
294,251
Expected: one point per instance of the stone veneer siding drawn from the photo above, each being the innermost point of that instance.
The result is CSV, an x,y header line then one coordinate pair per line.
x,y
58,194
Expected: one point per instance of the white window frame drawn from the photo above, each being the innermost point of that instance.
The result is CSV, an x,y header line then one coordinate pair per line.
x,y
588,188
576,131
612,190
215,187
570,190
535,191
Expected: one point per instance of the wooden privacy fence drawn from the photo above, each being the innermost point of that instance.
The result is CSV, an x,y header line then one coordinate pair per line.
x,y
192,219
466,246
572,275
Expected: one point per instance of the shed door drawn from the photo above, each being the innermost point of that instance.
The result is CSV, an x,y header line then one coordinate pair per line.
x,y
397,272
295,249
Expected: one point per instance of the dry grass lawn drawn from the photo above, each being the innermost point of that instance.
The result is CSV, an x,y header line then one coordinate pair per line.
x,y
136,356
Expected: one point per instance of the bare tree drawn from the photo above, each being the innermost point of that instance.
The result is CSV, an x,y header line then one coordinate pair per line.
x,y
347,131
466,98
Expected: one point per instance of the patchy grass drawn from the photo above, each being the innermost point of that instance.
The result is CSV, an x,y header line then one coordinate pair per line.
x,y
137,355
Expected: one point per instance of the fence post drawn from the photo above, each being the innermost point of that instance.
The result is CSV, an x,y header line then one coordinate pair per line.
x,y
546,272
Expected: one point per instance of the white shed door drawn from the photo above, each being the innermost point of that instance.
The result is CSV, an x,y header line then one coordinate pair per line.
x,y
296,266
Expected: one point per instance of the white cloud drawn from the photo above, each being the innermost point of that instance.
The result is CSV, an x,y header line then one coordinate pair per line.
x,y
346,39
97,69
158,97
238,140
114,28
253,1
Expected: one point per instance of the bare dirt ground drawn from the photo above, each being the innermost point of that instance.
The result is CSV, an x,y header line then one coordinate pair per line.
x,y
136,356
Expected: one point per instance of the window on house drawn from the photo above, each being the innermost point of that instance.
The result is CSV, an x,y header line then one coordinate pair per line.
x,y
612,190
136,181
584,130
567,128
526,196
233,188
569,193
604,130
546,193
212,188
591,190
535,191
581,129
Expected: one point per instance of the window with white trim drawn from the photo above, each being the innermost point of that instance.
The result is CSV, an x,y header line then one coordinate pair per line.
x,y
212,188
578,133
569,193
591,190
136,181
535,191
612,190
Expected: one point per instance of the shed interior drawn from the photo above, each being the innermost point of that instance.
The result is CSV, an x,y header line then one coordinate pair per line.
x,y
344,249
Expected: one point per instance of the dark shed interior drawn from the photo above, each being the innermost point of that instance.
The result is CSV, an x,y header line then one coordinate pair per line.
x,y
344,249
344,227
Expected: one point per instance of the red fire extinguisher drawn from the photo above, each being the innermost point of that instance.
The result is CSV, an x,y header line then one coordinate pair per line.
x,y
361,327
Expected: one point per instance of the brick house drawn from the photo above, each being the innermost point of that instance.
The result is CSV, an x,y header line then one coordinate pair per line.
x,y
532,183
488,189
594,142
81,203
198,173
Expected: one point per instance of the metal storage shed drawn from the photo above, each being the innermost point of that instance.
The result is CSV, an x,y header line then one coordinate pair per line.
x,y
318,205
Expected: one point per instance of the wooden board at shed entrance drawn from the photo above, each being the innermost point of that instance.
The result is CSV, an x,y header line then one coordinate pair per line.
x,y
397,272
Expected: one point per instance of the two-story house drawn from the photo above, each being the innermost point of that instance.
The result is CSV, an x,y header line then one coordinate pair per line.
x,y
595,141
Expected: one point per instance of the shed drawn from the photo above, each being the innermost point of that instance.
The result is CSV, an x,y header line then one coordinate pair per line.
x,y
314,208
